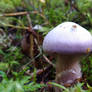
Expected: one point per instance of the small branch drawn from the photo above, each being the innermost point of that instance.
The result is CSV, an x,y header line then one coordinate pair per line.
x,y
47,60
17,27
31,61
29,21
21,13
14,14
31,37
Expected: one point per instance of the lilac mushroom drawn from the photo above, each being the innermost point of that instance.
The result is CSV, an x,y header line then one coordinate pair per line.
x,y
68,41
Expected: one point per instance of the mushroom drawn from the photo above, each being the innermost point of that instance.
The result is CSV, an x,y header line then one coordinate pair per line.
x,y
68,42
25,43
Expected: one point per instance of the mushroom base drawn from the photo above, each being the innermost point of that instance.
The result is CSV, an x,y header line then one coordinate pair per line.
x,y
67,69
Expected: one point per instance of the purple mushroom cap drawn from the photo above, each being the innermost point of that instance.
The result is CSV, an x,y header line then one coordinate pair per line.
x,y
68,38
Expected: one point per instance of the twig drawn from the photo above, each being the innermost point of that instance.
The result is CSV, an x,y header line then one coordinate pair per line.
x,y
17,27
31,37
15,14
47,60
29,21
22,13
39,48
31,61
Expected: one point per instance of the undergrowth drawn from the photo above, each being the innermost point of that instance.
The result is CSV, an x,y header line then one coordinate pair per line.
x,y
48,14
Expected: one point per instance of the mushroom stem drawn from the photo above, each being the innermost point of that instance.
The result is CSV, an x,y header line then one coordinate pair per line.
x,y
67,69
